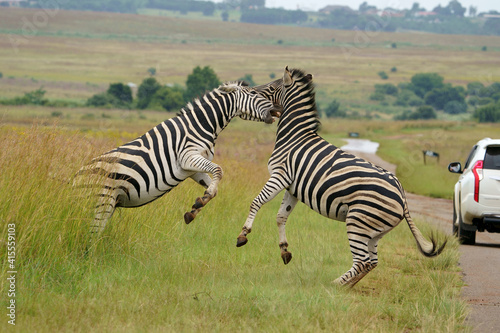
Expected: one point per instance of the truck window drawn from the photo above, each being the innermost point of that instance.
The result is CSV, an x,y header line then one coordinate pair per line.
x,y
492,158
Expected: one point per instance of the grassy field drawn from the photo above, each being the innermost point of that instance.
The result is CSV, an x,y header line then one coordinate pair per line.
x,y
73,59
150,271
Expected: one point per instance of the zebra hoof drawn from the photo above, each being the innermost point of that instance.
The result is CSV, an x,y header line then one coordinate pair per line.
x,y
286,256
188,217
242,240
198,203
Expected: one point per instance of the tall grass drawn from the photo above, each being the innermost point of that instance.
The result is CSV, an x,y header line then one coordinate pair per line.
x,y
151,272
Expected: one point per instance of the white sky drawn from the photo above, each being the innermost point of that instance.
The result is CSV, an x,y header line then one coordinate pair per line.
x,y
481,5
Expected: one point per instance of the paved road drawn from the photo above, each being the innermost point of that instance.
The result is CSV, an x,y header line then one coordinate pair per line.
x,y
480,264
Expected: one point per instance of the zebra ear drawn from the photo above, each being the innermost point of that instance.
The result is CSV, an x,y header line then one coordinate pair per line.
x,y
287,77
309,77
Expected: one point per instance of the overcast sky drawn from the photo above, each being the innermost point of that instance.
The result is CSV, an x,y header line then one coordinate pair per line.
x,y
481,5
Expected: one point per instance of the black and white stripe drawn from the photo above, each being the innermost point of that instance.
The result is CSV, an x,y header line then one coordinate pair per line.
x,y
146,168
330,181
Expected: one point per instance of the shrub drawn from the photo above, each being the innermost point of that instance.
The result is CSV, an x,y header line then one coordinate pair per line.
x,y
102,100
383,75
248,78
455,107
168,98
377,96
488,114
424,112
438,97
387,88
146,91
121,92
425,82
333,110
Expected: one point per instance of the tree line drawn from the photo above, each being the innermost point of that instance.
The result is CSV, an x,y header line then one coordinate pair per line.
x,y
449,19
427,93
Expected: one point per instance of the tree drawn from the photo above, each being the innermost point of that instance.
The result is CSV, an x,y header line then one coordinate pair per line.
x,y
425,82
200,81
440,96
456,8
472,11
146,91
120,91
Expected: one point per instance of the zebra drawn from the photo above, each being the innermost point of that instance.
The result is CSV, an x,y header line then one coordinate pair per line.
x,y
338,185
181,147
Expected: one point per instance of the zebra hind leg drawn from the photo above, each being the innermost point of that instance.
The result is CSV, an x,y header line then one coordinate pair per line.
x,y
199,203
285,210
364,254
211,190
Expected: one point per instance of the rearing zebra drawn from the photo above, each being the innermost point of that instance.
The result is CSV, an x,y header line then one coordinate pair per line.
x,y
146,168
330,181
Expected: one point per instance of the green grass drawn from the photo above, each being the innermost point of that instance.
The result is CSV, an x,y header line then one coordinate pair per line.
x,y
151,272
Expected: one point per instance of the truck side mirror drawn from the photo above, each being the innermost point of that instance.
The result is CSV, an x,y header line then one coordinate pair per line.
x,y
455,167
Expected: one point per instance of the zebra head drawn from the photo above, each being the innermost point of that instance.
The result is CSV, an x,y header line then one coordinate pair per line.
x,y
249,104
272,91
298,98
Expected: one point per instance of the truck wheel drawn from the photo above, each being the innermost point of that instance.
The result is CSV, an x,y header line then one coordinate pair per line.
x,y
465,236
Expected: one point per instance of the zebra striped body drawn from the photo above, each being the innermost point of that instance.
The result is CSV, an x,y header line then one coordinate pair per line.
x,y
330,181
146,168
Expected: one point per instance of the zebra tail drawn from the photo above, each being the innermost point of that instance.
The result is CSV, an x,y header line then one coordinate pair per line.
x,y
426,247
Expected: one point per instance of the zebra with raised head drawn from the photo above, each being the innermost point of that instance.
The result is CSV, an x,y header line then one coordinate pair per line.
x,y
148,167
330,181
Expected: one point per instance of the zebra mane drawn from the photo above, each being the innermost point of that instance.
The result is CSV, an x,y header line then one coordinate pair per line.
x,y
189,106
300,78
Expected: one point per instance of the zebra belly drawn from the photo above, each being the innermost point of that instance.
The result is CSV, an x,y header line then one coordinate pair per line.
x,y
138,186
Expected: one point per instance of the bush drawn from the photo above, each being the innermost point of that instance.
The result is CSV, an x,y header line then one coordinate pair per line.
x,y
488,114
455,107
333,110
102,100
168,98
121,92
387,88
248,78
422,83
438,97
146,91
383,75
377,96
423,112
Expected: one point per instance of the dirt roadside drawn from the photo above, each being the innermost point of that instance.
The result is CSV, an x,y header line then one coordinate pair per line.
x,y
480,264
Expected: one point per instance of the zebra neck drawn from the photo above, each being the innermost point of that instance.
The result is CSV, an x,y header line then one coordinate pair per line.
x,y
205,118
292,123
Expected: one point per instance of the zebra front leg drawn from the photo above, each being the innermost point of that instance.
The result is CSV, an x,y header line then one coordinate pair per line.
x,y
268,192
286,208
202,165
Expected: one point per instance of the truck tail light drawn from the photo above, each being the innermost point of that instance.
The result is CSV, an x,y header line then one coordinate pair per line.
x,y
477,170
